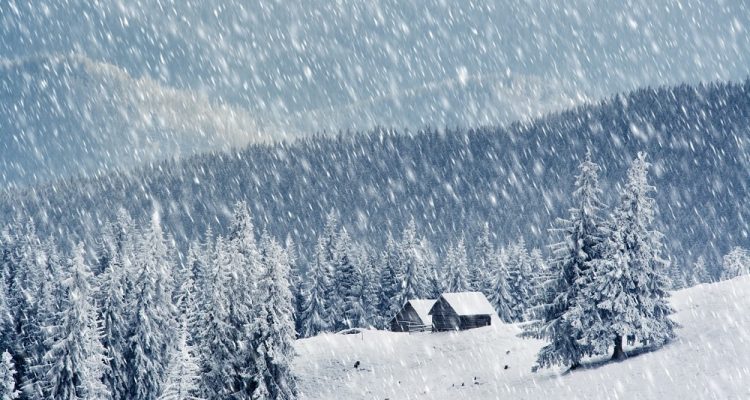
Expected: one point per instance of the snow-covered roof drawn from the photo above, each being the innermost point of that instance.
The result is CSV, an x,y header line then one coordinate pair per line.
x,y
423,307
468,303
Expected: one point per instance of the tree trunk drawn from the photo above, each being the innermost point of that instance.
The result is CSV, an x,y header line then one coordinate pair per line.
x,y
619,354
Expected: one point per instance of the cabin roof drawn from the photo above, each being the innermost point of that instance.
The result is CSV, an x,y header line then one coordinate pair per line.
x,y
423,307
468,303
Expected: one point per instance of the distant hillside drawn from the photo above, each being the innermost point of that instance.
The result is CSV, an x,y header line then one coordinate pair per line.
x,y
517,178
66,115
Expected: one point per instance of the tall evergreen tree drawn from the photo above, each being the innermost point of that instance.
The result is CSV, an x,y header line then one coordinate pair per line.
x,y
153,316
315,314
628,295
7,378
218,344
76,358
519,280
482,269
456,265
581,237
273,335
500,295
115,319
183,372
414,264
735,263
700,272
347,306
390,282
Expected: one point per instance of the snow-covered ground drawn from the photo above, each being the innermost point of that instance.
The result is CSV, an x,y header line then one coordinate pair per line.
x,y
709,360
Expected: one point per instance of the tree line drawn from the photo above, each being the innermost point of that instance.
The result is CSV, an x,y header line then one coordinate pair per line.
x,y
138,319
135,322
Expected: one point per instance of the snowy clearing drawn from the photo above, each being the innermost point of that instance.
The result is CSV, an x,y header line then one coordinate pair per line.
x,y
709,360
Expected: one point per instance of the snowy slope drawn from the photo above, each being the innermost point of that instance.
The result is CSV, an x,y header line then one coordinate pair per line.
x,y
710,360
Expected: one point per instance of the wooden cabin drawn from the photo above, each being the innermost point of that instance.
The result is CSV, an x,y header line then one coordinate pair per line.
x,y
414,316
460,311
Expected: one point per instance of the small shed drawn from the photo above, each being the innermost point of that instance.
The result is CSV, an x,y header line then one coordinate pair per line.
x,y
460,311
413,316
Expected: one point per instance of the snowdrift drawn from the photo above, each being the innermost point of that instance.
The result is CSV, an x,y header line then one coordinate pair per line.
x,y
709,360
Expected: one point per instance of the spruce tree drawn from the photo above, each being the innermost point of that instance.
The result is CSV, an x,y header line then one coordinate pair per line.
x,y
7,378
153,316
346,302
217,336
482,269
413,264
390,281
581,237
76,358
500,295
273,333
456,265
518,280
182,376
735,263
116,326
628,295
314,314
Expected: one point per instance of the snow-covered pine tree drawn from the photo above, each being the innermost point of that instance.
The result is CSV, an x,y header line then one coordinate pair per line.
x,y
217,343
31,305
482,268
346,303
370,287
273,333
700,272
241,276
182,376
581,236
500,296
153,315
735,263
116,326
414,284
295,280
390,282
456,266
7,378
518,279
315,310
629,293
76,361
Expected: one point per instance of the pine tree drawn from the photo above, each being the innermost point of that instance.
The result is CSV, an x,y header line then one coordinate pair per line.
x,y
500,296
518,280
153,316
390,282
217,336
628,295
183,371
581,237
735,263
482,268
273,335
456,265
700,273
346,302
413,264
7,378
370,288
76,361
115,319
315,315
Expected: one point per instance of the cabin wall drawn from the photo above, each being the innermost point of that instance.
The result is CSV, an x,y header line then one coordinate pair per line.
x,y
444,318
475,321
404,319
